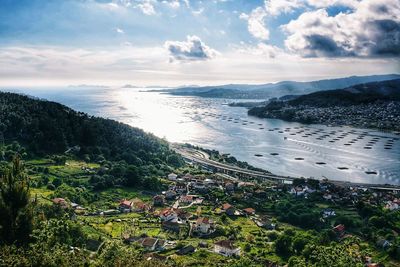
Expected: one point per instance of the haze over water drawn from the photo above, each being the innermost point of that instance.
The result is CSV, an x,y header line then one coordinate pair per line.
x,y
318,151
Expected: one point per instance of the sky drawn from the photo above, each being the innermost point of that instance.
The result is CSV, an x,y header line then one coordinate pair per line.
x,y
187,42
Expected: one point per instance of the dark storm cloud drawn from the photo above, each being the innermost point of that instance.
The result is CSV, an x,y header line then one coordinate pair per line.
x,y
387,38
323,45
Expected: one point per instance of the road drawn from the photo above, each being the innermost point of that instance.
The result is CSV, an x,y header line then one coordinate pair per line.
x,y
202,158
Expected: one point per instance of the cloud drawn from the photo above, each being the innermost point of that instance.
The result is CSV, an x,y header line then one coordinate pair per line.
x,y
276,7
146,6
255,23
263,50
193,49
38,65
118,30
329,3
172,3
372,29
243,16
198,12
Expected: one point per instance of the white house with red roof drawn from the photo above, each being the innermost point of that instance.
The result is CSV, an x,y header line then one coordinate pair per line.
x,y
125,205
168,215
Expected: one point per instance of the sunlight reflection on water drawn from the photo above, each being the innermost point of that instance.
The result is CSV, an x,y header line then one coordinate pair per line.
x,y
309,150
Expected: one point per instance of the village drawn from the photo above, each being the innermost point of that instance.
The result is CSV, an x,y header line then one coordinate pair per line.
x,y
224,216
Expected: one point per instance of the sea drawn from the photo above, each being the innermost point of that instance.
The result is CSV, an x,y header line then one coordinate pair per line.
x,y
281,147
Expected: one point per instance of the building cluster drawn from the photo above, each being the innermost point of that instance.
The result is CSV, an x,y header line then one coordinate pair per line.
x,y
173,210
380,115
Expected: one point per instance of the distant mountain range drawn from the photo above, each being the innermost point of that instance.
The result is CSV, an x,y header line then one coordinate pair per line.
x,y
270,90
354,95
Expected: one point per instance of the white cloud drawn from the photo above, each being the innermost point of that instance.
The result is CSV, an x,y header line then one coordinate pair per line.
x,y
264,50
276,7
329,3
372,29
27,66
193,49
198,11
243,16
172,3
118,30
256,25
147,7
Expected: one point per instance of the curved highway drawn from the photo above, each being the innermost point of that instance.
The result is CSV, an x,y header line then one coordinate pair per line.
x,y
202,158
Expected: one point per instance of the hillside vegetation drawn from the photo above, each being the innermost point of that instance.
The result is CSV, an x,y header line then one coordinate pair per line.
x,y
45,127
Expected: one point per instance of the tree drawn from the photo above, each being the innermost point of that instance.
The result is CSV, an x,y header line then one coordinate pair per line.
x,y
175,160
15,205
283,245
57,182
132,176
296,262
299,243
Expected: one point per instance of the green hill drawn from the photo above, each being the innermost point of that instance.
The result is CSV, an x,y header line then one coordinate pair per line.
x,y
45,127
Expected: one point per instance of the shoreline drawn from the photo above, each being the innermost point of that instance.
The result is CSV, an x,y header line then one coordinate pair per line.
x,y
201,160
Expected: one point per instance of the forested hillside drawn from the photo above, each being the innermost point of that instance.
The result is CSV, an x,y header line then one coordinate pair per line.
x,y
45,127
354,95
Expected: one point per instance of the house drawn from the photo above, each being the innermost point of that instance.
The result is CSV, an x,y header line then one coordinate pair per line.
x,y
158,200
60,202
327,196
188,199
245,184
186,250
172,176
230,187
265,222
125,206
229,209
168,215
203,225
226,248
182,214
326,213
171,226
199,187
391,205
339,230
297,191
249,211
180,187
170,195
151,244
188,177
209,182
309,190
139,206
74,205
